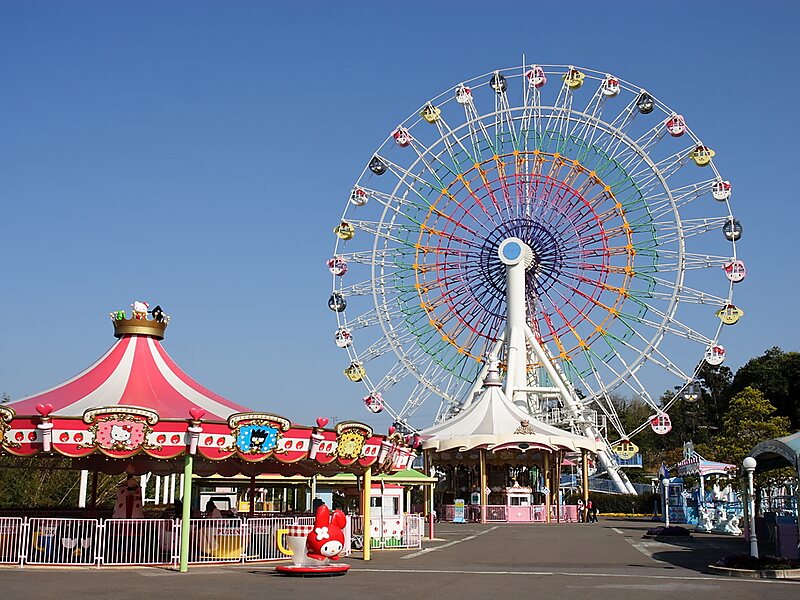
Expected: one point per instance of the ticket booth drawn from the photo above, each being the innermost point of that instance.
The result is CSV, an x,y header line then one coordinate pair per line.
x,y
518,503
386,509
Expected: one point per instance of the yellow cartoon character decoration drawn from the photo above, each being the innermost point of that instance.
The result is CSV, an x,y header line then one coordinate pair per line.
x,y
730,314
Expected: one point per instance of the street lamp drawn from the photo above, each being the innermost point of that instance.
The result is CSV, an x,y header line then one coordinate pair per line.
x,y
665,483
749,464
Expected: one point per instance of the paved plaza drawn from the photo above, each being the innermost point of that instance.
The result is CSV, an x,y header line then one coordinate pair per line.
x,y
607,560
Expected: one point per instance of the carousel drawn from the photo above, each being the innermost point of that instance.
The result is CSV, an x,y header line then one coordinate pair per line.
x,y
134,411
497,463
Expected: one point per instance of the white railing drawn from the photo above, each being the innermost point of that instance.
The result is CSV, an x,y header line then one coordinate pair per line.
x,y
11,538
534,513
109,542
61,542
401,531
139,542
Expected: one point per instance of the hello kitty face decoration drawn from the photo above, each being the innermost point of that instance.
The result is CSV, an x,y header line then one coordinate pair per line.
x,y
120,430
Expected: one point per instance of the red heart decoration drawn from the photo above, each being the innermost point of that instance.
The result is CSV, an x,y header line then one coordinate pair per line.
x,y
392,429
44,409
321,422
197,413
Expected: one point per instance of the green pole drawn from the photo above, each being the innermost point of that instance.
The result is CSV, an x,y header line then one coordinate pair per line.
x,y
187,512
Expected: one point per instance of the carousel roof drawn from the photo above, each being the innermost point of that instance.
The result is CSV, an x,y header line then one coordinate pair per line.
x,y
137,372
495,423
697,465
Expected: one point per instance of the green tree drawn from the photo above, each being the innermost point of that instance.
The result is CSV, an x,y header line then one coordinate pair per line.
x,y
748,420
777,374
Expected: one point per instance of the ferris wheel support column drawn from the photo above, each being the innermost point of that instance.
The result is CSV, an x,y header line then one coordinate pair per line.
x,y
517,257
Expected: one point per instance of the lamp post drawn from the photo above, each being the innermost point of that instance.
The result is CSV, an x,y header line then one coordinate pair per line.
x,y
749,464
665,483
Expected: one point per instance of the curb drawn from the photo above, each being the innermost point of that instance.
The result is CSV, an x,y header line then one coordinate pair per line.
x,y
754,574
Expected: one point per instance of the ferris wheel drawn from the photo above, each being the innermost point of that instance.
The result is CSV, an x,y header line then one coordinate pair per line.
x,y
628,219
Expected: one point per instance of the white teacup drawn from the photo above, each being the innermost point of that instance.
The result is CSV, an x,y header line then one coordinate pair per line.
x,y
293,543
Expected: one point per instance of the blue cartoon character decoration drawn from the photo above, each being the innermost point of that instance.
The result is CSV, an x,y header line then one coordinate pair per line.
x,y
257,433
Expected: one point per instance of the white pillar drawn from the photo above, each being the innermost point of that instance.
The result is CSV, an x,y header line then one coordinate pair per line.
x,y
665,483
157,495
83,489
517,256
749,464
180,487
172,489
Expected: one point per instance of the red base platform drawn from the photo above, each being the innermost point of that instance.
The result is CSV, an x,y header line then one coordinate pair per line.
x,y
339,569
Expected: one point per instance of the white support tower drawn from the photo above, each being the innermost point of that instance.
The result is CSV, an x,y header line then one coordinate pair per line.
x,y
522,348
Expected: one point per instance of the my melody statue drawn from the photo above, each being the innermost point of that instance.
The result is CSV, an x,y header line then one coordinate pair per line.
x,y
312,547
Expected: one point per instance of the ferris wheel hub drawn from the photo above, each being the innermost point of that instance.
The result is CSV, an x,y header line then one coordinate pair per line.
x,y
513,251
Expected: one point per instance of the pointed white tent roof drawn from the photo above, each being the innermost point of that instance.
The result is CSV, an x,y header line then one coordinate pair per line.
x,y
494,423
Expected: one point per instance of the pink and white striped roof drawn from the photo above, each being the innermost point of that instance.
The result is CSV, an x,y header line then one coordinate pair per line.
x,y
136,371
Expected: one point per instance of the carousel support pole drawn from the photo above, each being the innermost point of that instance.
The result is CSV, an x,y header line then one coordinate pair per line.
x,y
93,502
158,489
584,483
557,483
546,469
484,499
187,512
365,512
252,496
83,489
313,488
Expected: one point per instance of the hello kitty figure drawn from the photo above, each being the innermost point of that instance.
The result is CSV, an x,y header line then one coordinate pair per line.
x,y
139,309
326,540
121,434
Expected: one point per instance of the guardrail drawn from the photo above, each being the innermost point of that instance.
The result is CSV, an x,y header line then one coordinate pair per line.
x,y
115,542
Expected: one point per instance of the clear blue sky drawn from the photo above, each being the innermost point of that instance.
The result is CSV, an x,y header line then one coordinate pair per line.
x,y
198,154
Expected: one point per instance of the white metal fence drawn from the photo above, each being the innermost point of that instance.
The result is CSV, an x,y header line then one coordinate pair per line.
x,y
108,542
401,531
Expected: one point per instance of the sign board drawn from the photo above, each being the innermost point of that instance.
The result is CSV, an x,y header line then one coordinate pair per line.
x,y
459,514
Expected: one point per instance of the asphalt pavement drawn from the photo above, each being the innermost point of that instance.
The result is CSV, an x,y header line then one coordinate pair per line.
x,y
600,561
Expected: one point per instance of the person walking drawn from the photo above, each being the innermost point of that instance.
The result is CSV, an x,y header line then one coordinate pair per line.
x,y
591,507
580,510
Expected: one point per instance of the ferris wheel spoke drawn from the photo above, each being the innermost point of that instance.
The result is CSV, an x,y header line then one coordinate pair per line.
x,y
383,345
658,358
558,119
631,157
385,257
531,119
672,261
668,325
404,176
504,128
586,127
398,232
661,205
668,232
686,294
478,131
454,145
400,204
374,317
645,176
